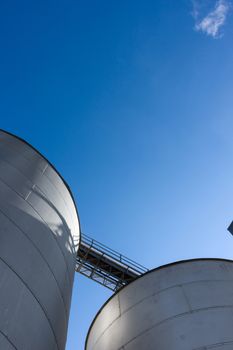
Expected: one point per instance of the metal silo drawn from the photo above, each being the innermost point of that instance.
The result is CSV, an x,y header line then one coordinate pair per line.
x,y
181,306
39,235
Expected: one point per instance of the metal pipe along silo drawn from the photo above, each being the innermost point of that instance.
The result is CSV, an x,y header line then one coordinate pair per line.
x,y
39,235
181,306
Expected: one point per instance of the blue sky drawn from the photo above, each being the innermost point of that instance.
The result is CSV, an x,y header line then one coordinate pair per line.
x,y
132,102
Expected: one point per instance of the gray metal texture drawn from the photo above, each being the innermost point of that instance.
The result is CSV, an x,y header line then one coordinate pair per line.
x,y
182,306
39,234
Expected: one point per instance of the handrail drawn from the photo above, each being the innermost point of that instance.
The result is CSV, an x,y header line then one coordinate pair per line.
x,y
105,265
112,252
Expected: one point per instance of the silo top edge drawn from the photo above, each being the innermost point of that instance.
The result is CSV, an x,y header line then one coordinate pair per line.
x,y
179,262
52,166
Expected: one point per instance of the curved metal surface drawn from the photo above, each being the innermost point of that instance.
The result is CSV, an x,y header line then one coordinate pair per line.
x,y
181,306
39,236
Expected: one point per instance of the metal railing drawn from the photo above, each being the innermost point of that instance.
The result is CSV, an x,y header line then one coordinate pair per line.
x,y
104,265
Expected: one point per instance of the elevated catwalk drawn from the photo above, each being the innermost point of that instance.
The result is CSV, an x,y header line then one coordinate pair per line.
x,y
39,241
104,265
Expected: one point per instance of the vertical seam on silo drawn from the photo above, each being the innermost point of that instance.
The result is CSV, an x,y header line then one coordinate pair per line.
x,y
119,304
29,193
53,234
172,318
46,166
46,225
186,298
35,246
8,339
35,297
44,197
49,164
42,173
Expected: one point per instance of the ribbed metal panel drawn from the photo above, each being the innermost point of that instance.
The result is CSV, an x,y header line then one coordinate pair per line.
x,y
182,306
39,234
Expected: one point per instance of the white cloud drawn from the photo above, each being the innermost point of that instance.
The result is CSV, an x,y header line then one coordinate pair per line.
x,y
214,20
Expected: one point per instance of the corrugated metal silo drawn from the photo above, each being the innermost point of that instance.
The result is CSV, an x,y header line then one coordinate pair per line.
x,y
39,234
181,306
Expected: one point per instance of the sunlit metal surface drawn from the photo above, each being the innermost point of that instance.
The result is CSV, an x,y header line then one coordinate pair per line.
x,y
181,306
39,233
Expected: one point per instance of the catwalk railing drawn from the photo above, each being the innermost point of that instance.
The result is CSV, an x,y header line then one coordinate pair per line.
x,y
104,265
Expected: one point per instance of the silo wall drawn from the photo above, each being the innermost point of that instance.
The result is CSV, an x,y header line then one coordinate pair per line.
x,y
181,306
39,234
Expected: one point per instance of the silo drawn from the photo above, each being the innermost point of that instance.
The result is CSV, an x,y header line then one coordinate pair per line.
x,y
39,235
182,306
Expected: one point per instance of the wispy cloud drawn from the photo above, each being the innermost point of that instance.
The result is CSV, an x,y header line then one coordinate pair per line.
x,y
214,20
